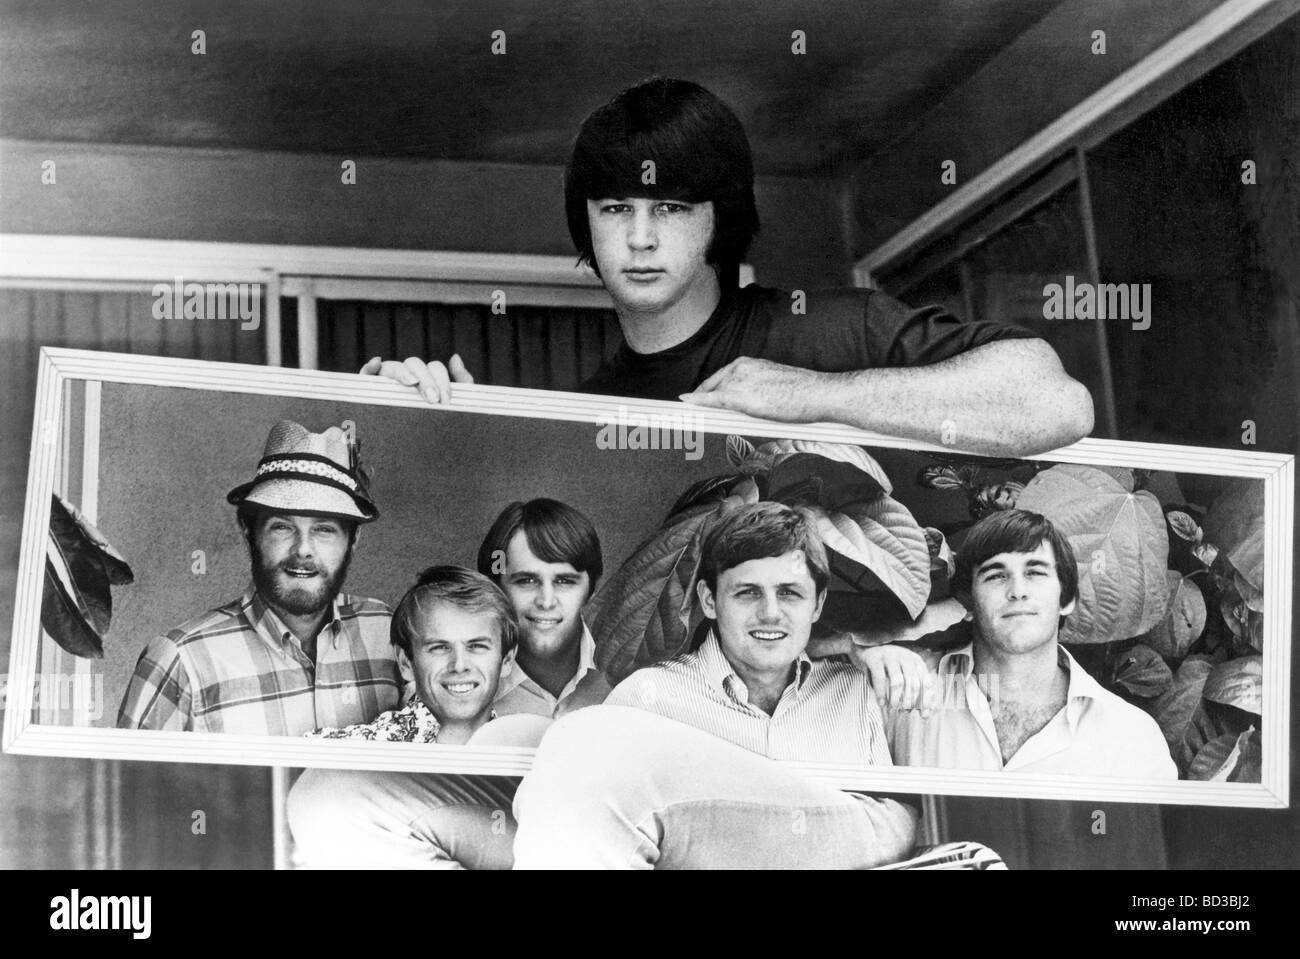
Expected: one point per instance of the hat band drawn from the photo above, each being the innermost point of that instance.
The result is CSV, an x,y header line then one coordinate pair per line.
x,y
312,467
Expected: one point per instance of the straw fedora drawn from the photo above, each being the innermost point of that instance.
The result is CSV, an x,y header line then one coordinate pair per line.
x,y
309,473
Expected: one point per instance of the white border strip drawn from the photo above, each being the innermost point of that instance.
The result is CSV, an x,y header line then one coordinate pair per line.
x,y
59,365
37,256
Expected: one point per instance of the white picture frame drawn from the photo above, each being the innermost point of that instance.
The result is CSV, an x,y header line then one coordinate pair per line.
x,y
25,734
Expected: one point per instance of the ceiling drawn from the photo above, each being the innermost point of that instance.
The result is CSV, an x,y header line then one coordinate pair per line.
x,y
418,80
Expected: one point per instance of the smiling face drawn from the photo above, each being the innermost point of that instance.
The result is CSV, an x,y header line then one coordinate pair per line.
x,y
651,253
456,655
299,562
1017,600
547,598
765,609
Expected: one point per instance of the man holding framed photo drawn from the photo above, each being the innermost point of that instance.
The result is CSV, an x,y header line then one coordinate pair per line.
x,y
659,196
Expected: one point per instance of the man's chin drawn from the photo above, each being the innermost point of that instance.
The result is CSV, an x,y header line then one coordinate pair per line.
x,y
300,601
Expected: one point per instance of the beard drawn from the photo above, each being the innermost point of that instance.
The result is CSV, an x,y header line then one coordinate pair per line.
x,y
298,598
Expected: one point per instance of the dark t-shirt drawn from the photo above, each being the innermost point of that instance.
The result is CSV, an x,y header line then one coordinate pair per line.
x,y
842,330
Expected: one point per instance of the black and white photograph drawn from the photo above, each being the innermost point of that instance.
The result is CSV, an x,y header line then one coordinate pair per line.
x,y
686,436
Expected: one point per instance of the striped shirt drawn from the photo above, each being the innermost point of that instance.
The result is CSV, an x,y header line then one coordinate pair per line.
x,y
239,669
827,714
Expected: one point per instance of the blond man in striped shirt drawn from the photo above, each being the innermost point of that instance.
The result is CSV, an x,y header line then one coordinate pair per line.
x,y
676,769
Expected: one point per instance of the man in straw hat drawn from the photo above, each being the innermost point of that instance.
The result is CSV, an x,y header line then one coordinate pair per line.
x,y
293,653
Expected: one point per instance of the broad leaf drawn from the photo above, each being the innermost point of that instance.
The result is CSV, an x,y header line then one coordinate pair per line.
x,y
1184,526
1238,682
1252,597
636,616
1120,544
995,497
706,492
1235,524
739,450
1183,623
941,556
879,537
1176,709
848,472
1142,672
1226,755
939,477
1247,559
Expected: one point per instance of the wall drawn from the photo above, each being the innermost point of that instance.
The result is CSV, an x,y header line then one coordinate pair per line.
x,y
292,198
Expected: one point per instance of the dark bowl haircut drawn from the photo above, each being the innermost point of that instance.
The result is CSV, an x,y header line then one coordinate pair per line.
x,y
554,531
1014,531
455,586
760,531
700,153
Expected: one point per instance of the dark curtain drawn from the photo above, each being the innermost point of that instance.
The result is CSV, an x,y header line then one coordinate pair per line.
x,y
549,348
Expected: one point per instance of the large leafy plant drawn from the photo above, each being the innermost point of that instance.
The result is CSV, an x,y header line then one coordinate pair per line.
x,y
879,554
1170,609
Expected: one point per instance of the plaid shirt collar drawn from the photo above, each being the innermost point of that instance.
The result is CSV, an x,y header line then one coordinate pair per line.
x,y
268,625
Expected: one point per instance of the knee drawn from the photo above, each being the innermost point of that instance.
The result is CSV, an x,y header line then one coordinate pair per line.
x,y
592,742
319,802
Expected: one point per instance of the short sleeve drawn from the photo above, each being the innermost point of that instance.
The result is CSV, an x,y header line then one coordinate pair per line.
x,y
158,696
898,335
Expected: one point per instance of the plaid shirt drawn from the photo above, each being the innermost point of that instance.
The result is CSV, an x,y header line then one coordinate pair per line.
x,y
238,669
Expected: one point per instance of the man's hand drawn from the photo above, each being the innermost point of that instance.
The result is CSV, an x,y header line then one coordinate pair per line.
x,y
900,678
432,379
765,389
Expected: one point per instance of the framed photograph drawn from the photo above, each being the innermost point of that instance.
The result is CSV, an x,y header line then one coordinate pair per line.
x,y
1184,553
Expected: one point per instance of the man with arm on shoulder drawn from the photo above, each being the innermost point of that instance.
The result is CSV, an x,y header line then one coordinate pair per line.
x,y
669,254
679,769
1013,698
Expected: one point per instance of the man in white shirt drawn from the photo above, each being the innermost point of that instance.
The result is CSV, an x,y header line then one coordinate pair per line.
x,y
1013,698
680,769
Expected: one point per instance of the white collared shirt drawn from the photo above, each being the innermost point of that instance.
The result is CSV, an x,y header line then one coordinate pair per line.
x,y
520,693
1095,734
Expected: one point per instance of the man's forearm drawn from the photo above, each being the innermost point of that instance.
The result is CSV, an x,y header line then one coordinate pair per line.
x,y
1009,398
